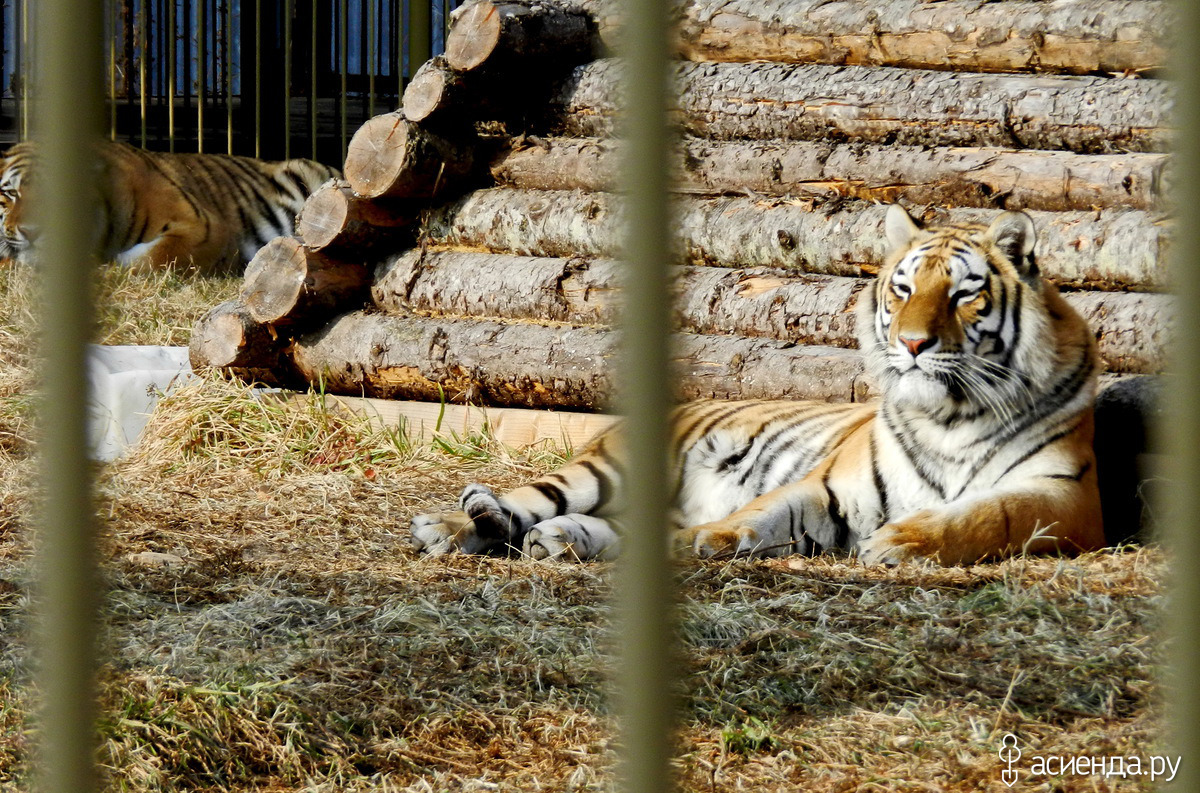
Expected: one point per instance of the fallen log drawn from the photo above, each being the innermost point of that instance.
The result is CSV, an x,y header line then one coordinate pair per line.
x,y
229,339
390,157
1069,36
437,93
1110,249
529,365
1133,329
949,177
288,285
335,221
734,101
500,36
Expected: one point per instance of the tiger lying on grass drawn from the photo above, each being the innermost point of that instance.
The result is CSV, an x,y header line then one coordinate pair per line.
x,y
980,446
210,212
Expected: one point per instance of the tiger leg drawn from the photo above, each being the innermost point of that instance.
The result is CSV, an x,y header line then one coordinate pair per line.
x,y
583,487
795,518
1055,516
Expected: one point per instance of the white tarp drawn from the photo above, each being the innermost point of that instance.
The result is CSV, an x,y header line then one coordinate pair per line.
x,y
125,383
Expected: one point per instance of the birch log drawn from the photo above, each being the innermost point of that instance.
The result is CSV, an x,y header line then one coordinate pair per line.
x,y
732,101
1110,249
1072,36
288,285
498,36
529,365
949,177
335,221
390,157
228,338
1133,329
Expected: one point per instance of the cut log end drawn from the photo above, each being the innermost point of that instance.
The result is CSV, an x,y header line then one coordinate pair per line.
x,y
228,337
376,155
425,94
274,279
326,213
474,36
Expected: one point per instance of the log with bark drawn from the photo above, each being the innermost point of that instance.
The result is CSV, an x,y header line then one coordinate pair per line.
x,y
290,286
229,339
335,221
1110,249
1071,36
390,157
1133,329
733,101
531,365
949,177
438,94
512,36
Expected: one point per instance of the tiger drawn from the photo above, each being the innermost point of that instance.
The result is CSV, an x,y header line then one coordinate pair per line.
x,y
207,212
979,444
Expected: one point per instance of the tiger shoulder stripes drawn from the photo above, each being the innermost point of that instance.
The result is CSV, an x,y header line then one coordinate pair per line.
x,y
208,212
980,444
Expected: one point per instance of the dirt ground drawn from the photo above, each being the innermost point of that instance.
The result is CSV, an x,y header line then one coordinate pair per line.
x,y
269,628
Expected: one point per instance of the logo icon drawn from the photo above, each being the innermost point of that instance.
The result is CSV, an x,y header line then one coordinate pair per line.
x,y
1009,754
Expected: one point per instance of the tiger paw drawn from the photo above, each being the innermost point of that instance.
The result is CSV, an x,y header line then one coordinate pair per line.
x,y
574,537
435,533
721,538
894,543
492,521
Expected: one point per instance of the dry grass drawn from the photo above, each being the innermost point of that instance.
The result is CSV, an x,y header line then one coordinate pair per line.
x,y
293,641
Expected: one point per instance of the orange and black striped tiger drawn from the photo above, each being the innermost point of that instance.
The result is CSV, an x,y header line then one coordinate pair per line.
x,y
980,445
208,212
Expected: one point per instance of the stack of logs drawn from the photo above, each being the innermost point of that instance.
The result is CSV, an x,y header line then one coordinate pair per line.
x,y
469,255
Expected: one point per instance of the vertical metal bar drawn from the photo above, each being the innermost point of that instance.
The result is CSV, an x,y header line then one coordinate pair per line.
x,y
369,63
645,602
258,38
171,53
26,70
420,33
69,119
401,47
143,53
112,71
287,78
201,69
343,67
1179,432
229,76
312,78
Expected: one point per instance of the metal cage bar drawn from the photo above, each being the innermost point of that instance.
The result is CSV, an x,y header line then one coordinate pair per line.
x,y
69,117
645,585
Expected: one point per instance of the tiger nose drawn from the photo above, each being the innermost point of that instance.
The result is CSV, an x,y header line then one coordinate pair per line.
x,y
916,345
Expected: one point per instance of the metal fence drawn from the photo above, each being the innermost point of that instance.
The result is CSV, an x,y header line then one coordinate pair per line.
x,y
267,78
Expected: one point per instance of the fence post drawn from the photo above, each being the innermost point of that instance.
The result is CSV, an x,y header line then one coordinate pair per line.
x,y
1180,432
67,119
645,583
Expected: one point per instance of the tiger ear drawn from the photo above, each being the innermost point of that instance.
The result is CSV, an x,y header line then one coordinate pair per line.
x,y
899,226
1014,234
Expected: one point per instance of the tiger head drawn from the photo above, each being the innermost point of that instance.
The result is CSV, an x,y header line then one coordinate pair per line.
x,y
960,320
17,233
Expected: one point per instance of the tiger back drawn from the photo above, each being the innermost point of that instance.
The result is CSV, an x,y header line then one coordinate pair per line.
x,y
207,212
979,446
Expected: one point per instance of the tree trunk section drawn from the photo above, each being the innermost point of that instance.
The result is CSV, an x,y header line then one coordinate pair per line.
x,y
508,35
390,157
735,101
436,93
1068,36
229,339
290,286
1109,249
527,365
1133,329
948,177
335,221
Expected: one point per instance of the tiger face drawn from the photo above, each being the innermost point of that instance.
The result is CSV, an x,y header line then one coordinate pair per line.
x,y
944,330
17,234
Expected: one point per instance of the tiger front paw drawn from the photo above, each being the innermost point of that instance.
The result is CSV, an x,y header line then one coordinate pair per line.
x,y
908,540
437,533
720,538
573,537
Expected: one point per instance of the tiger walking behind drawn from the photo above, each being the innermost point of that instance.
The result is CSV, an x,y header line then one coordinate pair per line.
x,y
206,212
980,445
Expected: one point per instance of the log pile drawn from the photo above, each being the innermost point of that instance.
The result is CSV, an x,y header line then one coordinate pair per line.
x,y
469,256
